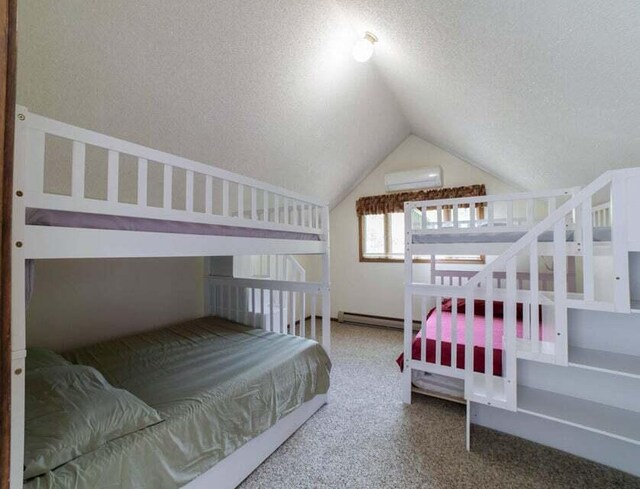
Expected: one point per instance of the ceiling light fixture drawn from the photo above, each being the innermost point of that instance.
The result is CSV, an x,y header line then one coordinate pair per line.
x,y
363,50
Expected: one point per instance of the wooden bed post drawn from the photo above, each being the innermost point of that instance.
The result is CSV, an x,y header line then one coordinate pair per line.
x,y
7,114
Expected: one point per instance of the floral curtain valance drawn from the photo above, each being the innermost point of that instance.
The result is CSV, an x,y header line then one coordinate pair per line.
x,y
387,203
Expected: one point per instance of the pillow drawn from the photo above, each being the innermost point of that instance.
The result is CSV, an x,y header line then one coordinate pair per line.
x,y
72,410
41,358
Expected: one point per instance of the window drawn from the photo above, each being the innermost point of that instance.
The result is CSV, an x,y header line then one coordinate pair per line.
x,y
382,239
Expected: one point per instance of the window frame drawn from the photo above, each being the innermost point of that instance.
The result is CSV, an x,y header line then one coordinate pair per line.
x,y
387,240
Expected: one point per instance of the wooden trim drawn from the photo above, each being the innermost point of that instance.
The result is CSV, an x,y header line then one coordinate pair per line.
x,y
7,114
400,259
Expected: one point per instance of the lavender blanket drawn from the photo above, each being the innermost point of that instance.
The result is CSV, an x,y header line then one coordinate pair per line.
x,y
47,217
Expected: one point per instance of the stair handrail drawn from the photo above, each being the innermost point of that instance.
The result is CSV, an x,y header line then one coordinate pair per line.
x,y
543,226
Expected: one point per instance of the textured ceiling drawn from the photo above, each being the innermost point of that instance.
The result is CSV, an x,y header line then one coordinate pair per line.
x,y
541,93
263,88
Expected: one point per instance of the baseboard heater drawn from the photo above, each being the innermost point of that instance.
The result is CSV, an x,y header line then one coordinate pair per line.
x,y
370,320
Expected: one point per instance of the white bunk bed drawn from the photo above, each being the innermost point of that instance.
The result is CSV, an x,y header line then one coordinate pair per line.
x,y
547,252
204,211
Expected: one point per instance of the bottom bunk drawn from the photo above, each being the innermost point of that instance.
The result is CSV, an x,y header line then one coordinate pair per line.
x,y
439,375
193,394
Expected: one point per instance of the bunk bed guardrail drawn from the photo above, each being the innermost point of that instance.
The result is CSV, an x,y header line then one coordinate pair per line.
x,y
279,306
191,191
492,213
533,320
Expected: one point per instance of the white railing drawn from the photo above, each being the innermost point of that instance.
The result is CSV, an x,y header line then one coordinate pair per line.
x,y
485,214
602,215
189,191
271,305
280,267
535,298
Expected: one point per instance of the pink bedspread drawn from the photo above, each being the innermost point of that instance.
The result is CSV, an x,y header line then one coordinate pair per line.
x,y
446,334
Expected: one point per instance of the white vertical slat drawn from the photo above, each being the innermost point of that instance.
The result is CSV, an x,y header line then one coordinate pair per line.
x,y
424,217
241,201
290,311
438,330
551,205
265,206
167,187
142,181
271,316
488,337
285,211
254,203
439,216
253,307
314,299
423,329
77,169
310,215
208,194
490,213
619,237
225,198
454,332
316,217
237,297
472,215
560,291
113,173
588,277
276,208
456,218
294,304
509,213
283,318
189,191
510,328
469,383
530,212
303,322
526,320
263,299
534,288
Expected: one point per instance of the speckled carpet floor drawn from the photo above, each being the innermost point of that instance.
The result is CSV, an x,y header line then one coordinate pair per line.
x,y
366,438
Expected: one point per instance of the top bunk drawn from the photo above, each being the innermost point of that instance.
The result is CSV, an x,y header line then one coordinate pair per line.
x,y
81,194
490,224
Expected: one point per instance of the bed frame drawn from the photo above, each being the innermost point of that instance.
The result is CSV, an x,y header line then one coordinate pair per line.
x,y
191,192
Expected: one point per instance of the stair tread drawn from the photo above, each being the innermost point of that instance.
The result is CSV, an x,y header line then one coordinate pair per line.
x,y
600,418
618,363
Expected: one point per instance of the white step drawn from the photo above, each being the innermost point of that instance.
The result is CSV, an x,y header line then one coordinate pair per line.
x,y
621,424
604,361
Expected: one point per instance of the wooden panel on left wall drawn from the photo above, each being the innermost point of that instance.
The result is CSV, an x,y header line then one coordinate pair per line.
x,y
7,114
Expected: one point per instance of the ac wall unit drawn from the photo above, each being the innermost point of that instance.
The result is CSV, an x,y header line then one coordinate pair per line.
x,y
413,179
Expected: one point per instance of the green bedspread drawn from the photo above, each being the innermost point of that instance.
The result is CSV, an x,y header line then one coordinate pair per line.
x,y
218,385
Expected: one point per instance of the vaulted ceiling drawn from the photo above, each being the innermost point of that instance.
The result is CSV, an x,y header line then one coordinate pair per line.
x,y
540,93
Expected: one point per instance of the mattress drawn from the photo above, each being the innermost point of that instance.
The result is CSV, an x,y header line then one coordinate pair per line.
x,y
48,217
218,384
446,343
600,234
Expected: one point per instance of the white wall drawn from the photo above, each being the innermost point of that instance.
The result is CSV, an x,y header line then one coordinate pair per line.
x,y
79,302
377,288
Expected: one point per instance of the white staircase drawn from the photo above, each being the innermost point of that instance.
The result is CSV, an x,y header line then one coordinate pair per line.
x,y
571,358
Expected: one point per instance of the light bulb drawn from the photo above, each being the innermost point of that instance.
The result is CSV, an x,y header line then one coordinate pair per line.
x,y
363,49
